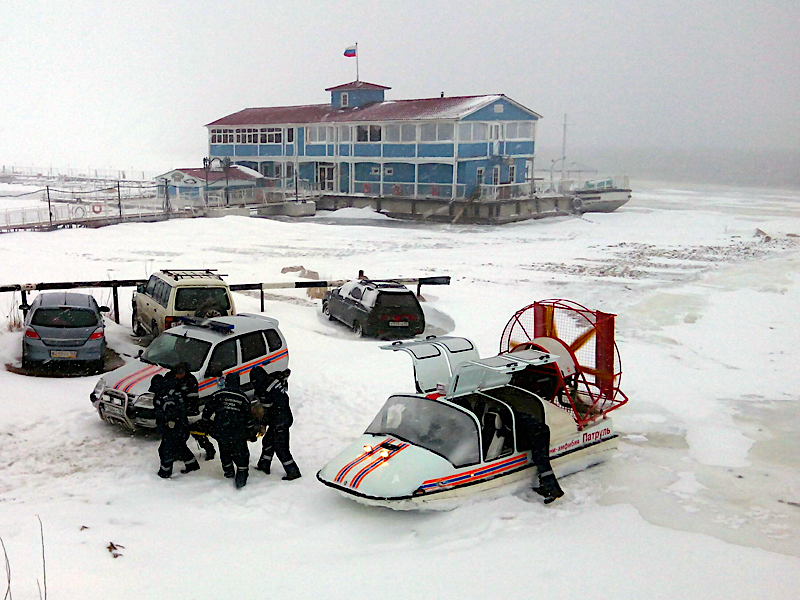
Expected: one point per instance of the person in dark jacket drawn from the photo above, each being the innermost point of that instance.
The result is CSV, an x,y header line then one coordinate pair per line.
x,y
173,426
180,378
271,390
535,434
232,425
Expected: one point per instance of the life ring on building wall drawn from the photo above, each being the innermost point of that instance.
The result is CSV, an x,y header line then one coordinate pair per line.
x,y
577,204
79,212
397,189
97,208
435,190
366,188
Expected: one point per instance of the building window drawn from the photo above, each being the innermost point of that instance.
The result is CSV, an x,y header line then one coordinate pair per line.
x,y
344,133
392,133
388,171
479,175
246,136
289,170
222,136
433,132
345,100
374,133
465,132
271,135
375,171
290,135
498,108
319,134
496,176
408,133
278,170
512,174
519,130
362,133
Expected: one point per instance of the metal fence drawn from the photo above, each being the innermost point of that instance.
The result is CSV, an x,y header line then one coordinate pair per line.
x,y
58,206
67,173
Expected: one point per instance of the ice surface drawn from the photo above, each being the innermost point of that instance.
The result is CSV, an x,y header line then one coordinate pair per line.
x,y
702,500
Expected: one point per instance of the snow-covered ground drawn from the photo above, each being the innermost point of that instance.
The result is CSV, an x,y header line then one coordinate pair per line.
x,y
702,500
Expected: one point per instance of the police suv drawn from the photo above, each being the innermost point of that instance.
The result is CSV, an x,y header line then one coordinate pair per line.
x,y
210,348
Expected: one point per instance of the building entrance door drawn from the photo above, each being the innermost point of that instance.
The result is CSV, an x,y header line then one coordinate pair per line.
x,y
326,175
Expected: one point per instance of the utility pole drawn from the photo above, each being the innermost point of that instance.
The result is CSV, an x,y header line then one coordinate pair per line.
x,y
49,208
119,202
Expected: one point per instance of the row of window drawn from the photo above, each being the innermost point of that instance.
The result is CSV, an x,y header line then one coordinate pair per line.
x,y
426,132
512,173
406,133
278,170
252,135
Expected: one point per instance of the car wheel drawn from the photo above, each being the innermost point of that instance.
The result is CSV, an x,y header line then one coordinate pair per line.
x,y
326,309
138,330
27,364
358,330
97,366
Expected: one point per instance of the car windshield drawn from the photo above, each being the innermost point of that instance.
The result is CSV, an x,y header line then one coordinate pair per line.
x,y
202,298
64,317
390,300
433,425
169,349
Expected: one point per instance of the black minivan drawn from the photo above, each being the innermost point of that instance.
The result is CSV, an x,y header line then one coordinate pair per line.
x,y
381,309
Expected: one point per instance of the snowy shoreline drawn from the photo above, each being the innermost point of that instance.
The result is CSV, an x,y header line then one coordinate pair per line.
x,y
701,501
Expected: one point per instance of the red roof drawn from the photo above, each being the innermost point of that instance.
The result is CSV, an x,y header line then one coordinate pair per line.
x,y
357,85
390,110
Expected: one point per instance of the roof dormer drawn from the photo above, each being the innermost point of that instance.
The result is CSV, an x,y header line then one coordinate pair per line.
x,y
356,94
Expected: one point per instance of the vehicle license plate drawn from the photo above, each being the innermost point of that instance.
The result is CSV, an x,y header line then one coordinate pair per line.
x,y
63,353
110,409
398,323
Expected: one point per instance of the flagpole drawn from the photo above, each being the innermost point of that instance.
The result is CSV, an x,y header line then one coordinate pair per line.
x,y
357,61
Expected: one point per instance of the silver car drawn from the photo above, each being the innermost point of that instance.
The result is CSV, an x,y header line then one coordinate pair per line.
x,y
64,326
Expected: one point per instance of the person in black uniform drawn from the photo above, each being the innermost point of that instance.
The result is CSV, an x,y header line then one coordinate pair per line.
x,y
182,380
533,434
271,390
173,426
232,425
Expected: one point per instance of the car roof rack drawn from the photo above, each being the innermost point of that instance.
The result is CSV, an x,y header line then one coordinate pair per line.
x,y
382,283
218,326
177,274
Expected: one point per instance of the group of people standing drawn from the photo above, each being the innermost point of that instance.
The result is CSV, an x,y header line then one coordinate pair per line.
x,y
229,417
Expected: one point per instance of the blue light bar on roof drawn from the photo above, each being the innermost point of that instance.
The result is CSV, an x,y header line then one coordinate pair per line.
x,y
208,324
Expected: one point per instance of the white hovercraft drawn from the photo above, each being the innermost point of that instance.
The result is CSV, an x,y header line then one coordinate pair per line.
x,y
458,435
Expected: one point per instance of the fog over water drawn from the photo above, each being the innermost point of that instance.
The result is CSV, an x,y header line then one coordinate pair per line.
x,y
648,89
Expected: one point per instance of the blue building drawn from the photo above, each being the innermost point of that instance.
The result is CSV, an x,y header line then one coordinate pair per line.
x,y
363,145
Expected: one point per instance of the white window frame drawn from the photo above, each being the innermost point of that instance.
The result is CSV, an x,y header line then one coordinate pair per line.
x,y
496,175
479,176
512,173
271,135
345,102
404,128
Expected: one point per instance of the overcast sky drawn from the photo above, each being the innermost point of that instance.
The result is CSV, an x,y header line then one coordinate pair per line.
x,y
131,84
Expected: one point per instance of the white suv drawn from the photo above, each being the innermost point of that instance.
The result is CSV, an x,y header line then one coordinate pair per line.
x,y
211,348
171,294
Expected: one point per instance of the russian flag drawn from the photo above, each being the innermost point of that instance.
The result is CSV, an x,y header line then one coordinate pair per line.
x,y
350,51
